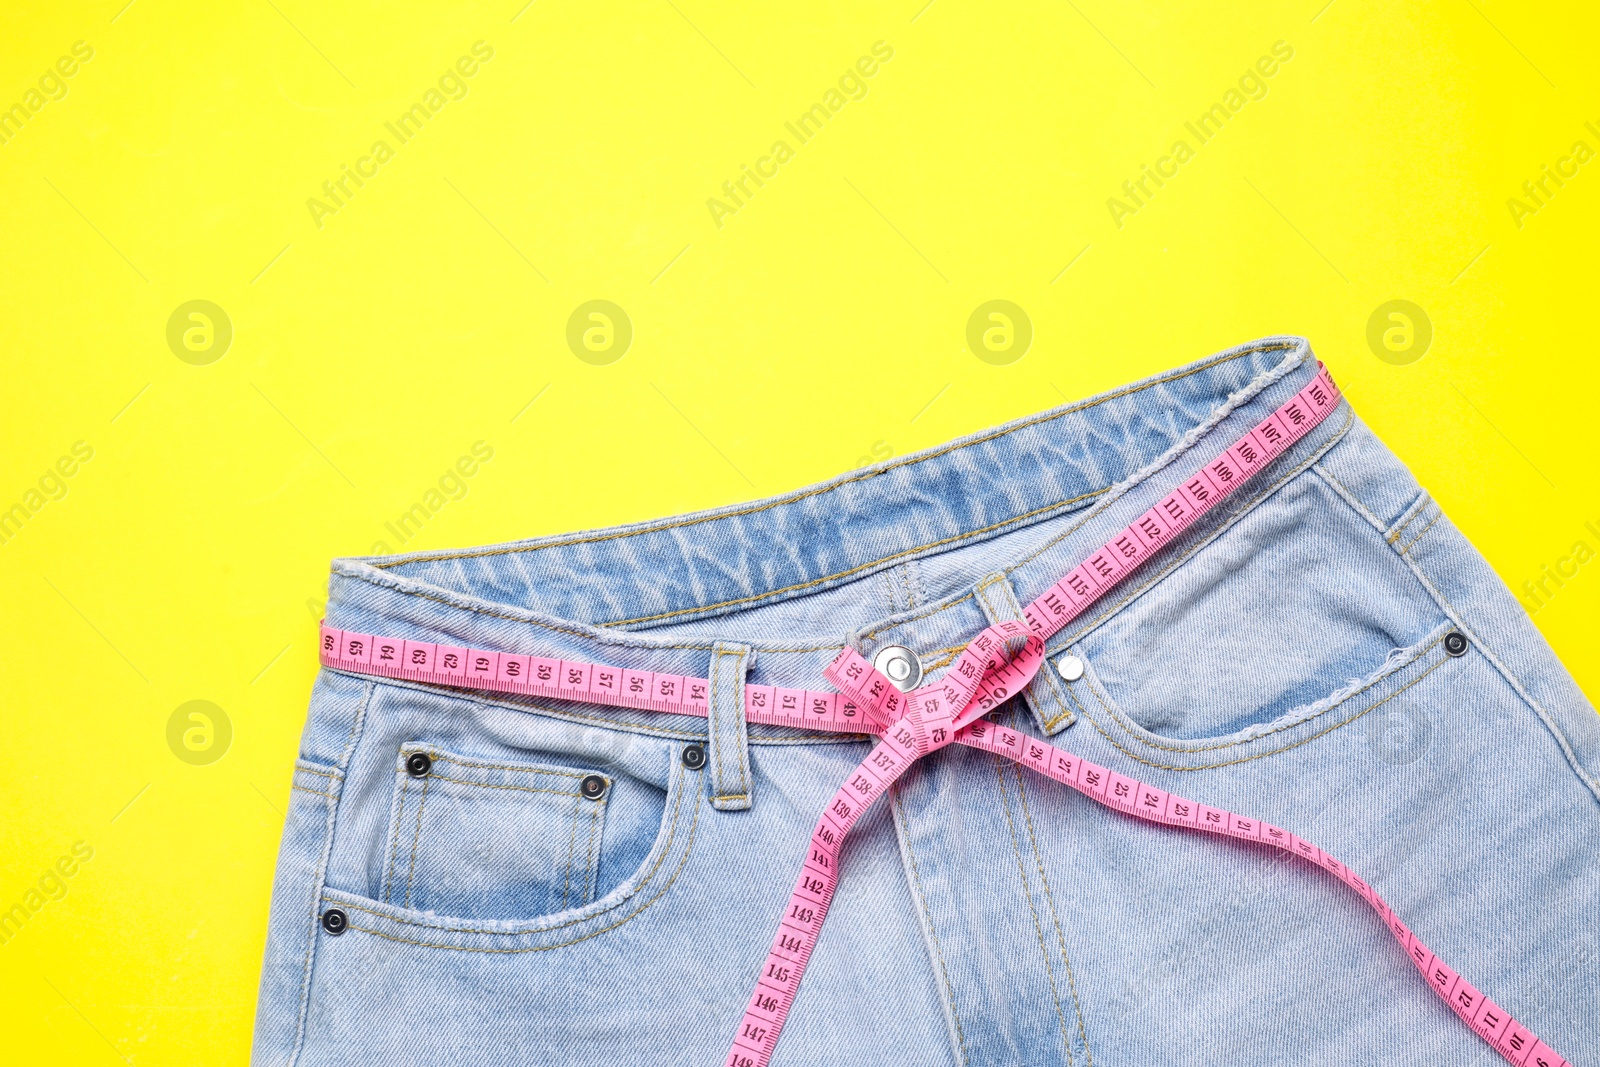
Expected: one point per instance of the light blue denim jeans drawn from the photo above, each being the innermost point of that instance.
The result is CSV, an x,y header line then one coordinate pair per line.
x,y
497,913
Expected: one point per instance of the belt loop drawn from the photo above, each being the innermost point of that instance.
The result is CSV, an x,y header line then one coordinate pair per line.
x,y
729,761
1045,694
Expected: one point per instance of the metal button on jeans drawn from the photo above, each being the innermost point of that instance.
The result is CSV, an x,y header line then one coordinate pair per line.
x,y
593,786
898,664
418,764
694,757
335,921
1455,643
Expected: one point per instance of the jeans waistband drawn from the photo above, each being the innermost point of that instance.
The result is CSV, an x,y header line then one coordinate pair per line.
x,y
895,553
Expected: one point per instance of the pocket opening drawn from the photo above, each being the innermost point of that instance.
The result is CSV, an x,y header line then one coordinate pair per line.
x,y
495,839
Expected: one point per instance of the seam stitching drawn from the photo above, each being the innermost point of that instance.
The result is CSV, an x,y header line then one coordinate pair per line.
x,y
1411,543
1049,897
572,847
666,851
1376,680
442,756
592,869
718,727
411,874
1562,742
1260,755
1409,515
320,875
490,785
933,934
683,862
1027,892
906,555
1349,495
398,818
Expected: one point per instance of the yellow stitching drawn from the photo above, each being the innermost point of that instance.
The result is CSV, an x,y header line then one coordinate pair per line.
x,y
1421,506
936,609
1262,755
1055,688
917,550
367,690
1072,693
320,878
316,906
933,933
713,733
744,747
394,839
1123,720
525,768
1412,543
714,728
804,494
1049,897
298,766
1418,507
1016,847
1350,494
422,800
489,785
684,862
666,850
313,792
592,865
572,840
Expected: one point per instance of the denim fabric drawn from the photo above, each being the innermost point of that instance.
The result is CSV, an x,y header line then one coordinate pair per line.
x,y
1284,658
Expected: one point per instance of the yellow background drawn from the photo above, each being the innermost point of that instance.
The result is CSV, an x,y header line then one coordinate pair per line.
x,y
819,327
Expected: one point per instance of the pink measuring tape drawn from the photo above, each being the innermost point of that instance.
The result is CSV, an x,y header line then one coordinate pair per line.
x,y
996,665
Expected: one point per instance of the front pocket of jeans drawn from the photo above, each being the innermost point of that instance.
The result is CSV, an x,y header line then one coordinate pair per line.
x,y
1296,600
490,839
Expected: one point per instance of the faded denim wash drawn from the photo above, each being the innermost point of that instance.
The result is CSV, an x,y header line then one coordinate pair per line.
x,y
985,916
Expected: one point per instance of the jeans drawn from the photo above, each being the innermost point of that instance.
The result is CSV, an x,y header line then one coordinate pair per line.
x,y
581,885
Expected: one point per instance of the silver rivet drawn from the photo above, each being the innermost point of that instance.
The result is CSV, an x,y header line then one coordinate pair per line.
x,y
898,664
1070,666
